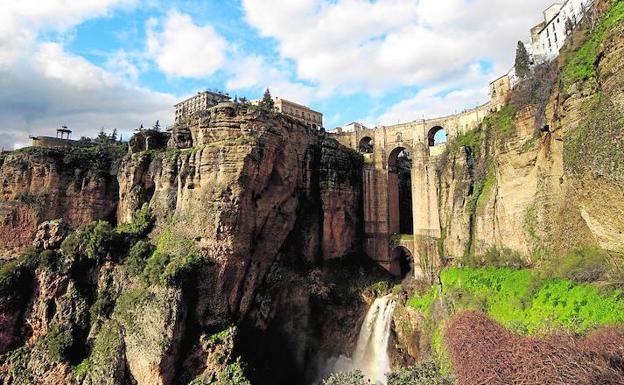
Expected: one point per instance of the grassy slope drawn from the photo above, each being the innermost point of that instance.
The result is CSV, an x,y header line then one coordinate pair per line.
x,y
526,303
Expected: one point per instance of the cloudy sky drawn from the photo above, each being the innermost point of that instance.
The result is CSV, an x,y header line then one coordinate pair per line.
x,y
90,64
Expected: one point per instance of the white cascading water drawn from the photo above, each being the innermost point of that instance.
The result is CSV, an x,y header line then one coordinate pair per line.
x,y
371,351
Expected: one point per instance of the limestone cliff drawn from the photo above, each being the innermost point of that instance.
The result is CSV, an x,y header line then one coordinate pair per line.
x,y
256,225
76,184
538,191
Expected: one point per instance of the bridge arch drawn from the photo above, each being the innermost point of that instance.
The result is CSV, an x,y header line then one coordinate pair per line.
x,y
366,145
436,135
399,193
402,262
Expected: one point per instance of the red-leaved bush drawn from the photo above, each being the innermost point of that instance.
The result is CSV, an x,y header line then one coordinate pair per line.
x,y
484,353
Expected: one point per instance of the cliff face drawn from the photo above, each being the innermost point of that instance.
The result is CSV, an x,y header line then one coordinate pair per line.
x,y
266,199
540,192
75,184
254,214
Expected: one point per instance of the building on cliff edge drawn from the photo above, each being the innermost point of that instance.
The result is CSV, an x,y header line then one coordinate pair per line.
x,y
550,34
304,114
62,139
200,102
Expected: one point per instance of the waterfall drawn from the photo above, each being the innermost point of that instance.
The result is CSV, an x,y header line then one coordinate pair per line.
x,y
371,351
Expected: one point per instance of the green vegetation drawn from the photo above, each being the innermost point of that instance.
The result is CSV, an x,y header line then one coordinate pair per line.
x,y
93,241
582,64
495,257
142,223
108,343
486,187
501,122
345,378
585,265
232,374
83,368
172,257
524,301
137,257
96,157
423,373
471,138
128,302
523,62
267,103
57,342
28,260
595,144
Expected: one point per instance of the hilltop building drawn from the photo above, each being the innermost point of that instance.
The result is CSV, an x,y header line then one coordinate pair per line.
x,y
200,102
549,35
300,112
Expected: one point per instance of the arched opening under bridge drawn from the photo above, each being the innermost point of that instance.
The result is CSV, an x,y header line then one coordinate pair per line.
x,y
402,262
366,145
400,191
437,135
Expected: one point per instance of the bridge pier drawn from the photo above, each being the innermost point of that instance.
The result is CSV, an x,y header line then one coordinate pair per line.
x,y
383,241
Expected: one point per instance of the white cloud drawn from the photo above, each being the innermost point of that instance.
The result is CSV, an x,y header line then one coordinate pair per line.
x,y
185,49
252,72
22,20
373,46
56,88
42,86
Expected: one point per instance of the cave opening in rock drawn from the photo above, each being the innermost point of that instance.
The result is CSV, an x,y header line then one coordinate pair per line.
x,y
400,191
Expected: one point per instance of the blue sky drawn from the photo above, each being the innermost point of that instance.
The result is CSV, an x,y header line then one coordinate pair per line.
x,y
119,63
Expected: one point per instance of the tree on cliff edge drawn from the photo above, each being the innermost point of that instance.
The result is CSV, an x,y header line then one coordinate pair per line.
x,y
267,102
523,62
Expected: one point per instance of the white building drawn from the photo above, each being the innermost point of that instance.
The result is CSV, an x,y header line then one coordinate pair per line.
x,y
548,37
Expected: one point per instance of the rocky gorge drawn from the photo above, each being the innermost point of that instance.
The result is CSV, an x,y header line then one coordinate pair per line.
x,y
228,250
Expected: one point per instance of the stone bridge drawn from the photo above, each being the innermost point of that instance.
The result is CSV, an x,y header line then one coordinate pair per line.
x,y
401,218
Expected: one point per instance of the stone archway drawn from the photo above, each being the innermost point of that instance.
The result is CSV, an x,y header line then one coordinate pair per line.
x,y
366,145
400,210
402,262
437,135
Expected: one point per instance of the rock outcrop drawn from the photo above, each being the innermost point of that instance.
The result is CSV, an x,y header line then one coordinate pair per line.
x,y
75,184
254,216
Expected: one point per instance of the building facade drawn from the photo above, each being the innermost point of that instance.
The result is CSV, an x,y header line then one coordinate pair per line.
x,y
549,36
500,90
200,102
300,112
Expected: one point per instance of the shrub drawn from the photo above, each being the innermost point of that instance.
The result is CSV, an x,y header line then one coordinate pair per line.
x,y
582,65
142,223
423,373
233,374
495,257
137,257
93,241
57,343
174,256
586,264
485,353
345,378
